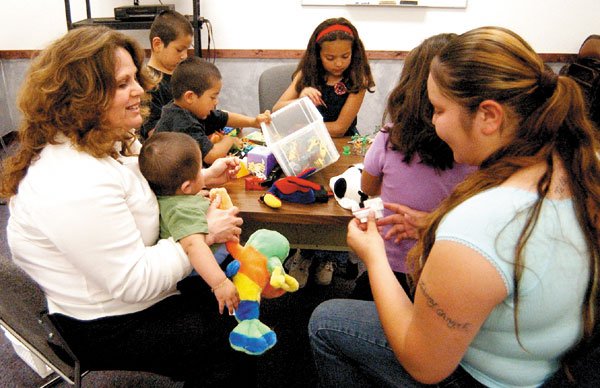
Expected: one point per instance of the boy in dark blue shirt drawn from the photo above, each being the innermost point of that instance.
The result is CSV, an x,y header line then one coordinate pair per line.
x,y
171,36
196,85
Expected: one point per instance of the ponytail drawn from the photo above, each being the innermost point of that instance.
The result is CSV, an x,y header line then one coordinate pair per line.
x,y
551,123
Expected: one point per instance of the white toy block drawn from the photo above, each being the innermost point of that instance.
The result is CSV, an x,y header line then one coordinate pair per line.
x,y
374,204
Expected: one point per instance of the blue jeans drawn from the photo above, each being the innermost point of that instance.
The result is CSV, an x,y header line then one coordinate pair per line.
x,y
350,349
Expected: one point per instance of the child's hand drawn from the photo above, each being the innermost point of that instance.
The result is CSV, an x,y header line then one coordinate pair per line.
x,y
263,118
203,193
227,295
221,171
314,95
238,143
215,137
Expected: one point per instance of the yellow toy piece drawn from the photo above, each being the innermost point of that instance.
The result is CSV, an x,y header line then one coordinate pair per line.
x,y
243,170
271,201
225,198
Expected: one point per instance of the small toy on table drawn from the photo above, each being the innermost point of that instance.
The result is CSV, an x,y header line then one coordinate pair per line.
x,y
217,136
243,169
295,189
255,138
360,144
256,271
346,187
253,183
230,131
261,161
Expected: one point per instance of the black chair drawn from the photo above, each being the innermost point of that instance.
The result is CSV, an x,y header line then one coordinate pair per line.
x,y
272,83
24,314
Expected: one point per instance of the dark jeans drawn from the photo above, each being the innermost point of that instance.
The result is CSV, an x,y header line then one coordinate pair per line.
x,y
182,337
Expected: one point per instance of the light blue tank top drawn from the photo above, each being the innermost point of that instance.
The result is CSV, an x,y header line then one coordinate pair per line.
x,y
553,284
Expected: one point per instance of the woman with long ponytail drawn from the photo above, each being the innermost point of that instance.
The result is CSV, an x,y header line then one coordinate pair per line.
x,y
505,274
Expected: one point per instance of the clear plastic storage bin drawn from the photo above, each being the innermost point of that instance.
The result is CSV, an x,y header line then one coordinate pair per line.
x,y
298,138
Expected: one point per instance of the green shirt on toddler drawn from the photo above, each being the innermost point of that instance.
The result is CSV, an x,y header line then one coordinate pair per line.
x,y
183,215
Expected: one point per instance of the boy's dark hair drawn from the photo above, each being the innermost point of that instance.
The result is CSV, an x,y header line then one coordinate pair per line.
x,y
410,112
586,72
168,159
356,77
590,48
169,25
193,74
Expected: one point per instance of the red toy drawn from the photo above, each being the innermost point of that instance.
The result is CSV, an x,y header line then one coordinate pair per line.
x,y
254,183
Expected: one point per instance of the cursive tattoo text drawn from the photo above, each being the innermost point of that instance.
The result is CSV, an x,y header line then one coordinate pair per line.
x,y
439,311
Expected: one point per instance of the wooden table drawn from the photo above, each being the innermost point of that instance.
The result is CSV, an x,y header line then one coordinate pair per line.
x,y
313,226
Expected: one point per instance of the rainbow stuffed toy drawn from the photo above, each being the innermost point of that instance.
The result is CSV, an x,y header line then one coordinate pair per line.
x,y
256,271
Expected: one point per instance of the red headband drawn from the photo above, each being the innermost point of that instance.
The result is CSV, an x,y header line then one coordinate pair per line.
x,y
333,28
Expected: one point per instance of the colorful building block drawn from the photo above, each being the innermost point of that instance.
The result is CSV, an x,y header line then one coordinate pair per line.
x,y
261,161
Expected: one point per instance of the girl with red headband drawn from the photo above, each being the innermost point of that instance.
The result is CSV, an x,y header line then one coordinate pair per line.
x,y
335,74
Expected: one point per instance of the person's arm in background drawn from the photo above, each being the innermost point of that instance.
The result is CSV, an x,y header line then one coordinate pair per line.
x,y
221,148
237,120
347,115
369,184
159,97
373,165
290,95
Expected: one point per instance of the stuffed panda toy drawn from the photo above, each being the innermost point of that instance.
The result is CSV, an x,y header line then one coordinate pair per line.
x,y
346,188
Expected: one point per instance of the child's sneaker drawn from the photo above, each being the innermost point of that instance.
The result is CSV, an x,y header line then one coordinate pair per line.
x,y
298,267
324,273
292,260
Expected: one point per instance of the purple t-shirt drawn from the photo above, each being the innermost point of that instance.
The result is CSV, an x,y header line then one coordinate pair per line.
x,y
415,185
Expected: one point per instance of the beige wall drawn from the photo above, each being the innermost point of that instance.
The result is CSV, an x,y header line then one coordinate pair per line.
x,y
551,26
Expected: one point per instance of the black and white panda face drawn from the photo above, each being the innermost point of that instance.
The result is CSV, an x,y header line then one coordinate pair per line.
x,y
346,187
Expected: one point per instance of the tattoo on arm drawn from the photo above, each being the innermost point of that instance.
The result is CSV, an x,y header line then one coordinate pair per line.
x,y
451,323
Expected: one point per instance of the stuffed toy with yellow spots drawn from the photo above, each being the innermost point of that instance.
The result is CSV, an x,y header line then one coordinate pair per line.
x,y
257,271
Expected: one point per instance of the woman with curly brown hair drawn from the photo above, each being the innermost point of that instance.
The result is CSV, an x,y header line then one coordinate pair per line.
x,y
506,271
84,222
